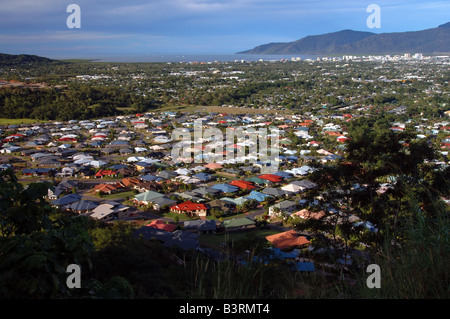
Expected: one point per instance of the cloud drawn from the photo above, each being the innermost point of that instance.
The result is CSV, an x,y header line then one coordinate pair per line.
x,y
199,24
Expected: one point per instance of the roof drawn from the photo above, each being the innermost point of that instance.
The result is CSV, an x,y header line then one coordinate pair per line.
x,y
68,199
257,180
238,222
147,196
243,184
188,206
273,191
83,205
271,177
287,239
159,224
307,214
226,188
200,225
305,266
260,197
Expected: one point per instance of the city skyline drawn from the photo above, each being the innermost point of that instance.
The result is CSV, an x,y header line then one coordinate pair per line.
x,y
115,28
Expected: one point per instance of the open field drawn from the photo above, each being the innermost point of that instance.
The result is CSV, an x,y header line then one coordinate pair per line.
x,y
4,121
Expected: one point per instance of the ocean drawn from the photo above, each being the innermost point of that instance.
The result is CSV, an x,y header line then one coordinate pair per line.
x,y
174,58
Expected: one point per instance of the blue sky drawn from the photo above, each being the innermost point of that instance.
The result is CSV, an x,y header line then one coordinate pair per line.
x,y
141,27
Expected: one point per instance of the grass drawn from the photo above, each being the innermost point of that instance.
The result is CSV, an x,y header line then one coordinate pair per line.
x,y
6,121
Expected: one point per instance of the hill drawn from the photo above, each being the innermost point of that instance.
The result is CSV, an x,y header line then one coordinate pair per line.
x,y
24,59
431,41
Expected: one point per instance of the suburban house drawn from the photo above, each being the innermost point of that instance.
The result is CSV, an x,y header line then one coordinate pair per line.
x,y
200,226
258,196
82,206
65,201
160,224
307,214
304,184
288,239
102,173
275,192
110,211
238,224
189,208
146,197
220,205
163,201
246,185
107,188
286,207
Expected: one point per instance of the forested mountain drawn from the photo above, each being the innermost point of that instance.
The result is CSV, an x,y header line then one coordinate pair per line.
x,y
429,41
23,59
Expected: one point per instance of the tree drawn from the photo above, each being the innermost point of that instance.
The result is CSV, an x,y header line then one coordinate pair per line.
x,y
38,243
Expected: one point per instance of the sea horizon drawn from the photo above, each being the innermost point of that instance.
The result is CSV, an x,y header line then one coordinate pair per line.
x,y
205,58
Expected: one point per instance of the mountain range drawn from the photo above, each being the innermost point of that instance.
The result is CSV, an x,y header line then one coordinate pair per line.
x,y
349,42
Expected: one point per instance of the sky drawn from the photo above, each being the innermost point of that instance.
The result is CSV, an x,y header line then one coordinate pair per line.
x,y
146,27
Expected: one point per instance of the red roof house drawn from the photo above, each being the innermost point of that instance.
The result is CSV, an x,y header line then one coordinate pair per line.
x,y
159,224
101,173
271,177
190,208
243,184
288,239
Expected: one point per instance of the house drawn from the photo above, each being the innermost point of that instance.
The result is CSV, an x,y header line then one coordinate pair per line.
x,y
102,173
221,205
66,172
160,224
65,201
304,170
238,224
286,207
200,226
110,211
162,202
304,184
181,239
38,171
82,206
307,214
207,191
187,179
258,196
287,239
292,189
275,192
213,166
146,197
258,181
225,188
130,182
305,266
107,188
166,174
141,166
246,185
191,209
272,178
204,177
